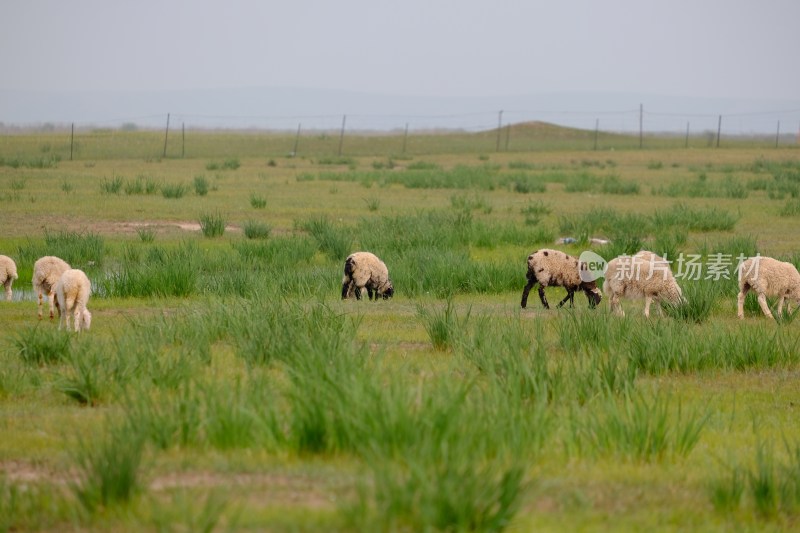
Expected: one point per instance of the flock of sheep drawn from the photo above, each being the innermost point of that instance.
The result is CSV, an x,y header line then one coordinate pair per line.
x,y
67,289
643,275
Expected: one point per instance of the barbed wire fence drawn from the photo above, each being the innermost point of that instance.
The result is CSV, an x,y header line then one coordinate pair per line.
x,y
499,131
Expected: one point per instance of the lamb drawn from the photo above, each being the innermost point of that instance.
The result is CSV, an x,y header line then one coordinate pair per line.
x,y
46,272
553,268
8,273
768,277
364,269
72,291
643,274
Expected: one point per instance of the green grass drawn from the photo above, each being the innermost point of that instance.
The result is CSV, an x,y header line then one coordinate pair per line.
x,y
232,362
109,471
173,190
111,186
146,234
254,229
257,201
41,345
443,326
200,185
212,224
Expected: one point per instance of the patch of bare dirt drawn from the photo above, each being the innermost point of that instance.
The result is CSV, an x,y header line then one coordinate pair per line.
x,y
294,490
23,472
132,227
305,491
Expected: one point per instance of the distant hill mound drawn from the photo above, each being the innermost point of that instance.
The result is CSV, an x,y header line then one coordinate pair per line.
x,y
545,131
538,129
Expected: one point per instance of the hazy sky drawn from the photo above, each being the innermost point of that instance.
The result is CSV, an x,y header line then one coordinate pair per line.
x,y
713,48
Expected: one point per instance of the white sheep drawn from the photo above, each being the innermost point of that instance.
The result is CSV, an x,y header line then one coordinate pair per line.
x,y
72,292
642,275
553,268
8,273
768,277
364,269
46,272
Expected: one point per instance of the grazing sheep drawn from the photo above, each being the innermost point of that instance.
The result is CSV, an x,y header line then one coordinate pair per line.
x,y
768,277
553,268
46,272
72,291
644,274
8,273
363,269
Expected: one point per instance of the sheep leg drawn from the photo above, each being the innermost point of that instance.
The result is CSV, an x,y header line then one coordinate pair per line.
x,y
647,301
369,293
570,296
77,318
542,297
762,302
7,285
51,300
70,307
615,305
780,304
526,291
358,292
41,304
345,289
740,301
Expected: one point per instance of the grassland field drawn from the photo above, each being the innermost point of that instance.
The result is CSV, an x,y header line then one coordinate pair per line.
x,y
224,385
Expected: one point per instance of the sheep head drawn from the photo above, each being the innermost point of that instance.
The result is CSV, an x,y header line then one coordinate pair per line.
x,y
86,319
795,295
593,294
388,291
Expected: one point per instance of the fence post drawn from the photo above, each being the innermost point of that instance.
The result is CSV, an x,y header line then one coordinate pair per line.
x,y
183,140
686,144
166,135
641,125
719,129
341,134
296,140
499,128
778,134
71,140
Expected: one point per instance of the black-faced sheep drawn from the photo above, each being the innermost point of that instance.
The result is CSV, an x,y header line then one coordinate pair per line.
x,y
72,292
642,275
8,273
553,268
768,277
47,271
364,269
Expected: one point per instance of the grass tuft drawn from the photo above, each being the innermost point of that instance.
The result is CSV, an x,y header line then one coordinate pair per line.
x,y
173,190
42,345
212,224
109,469
443,326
